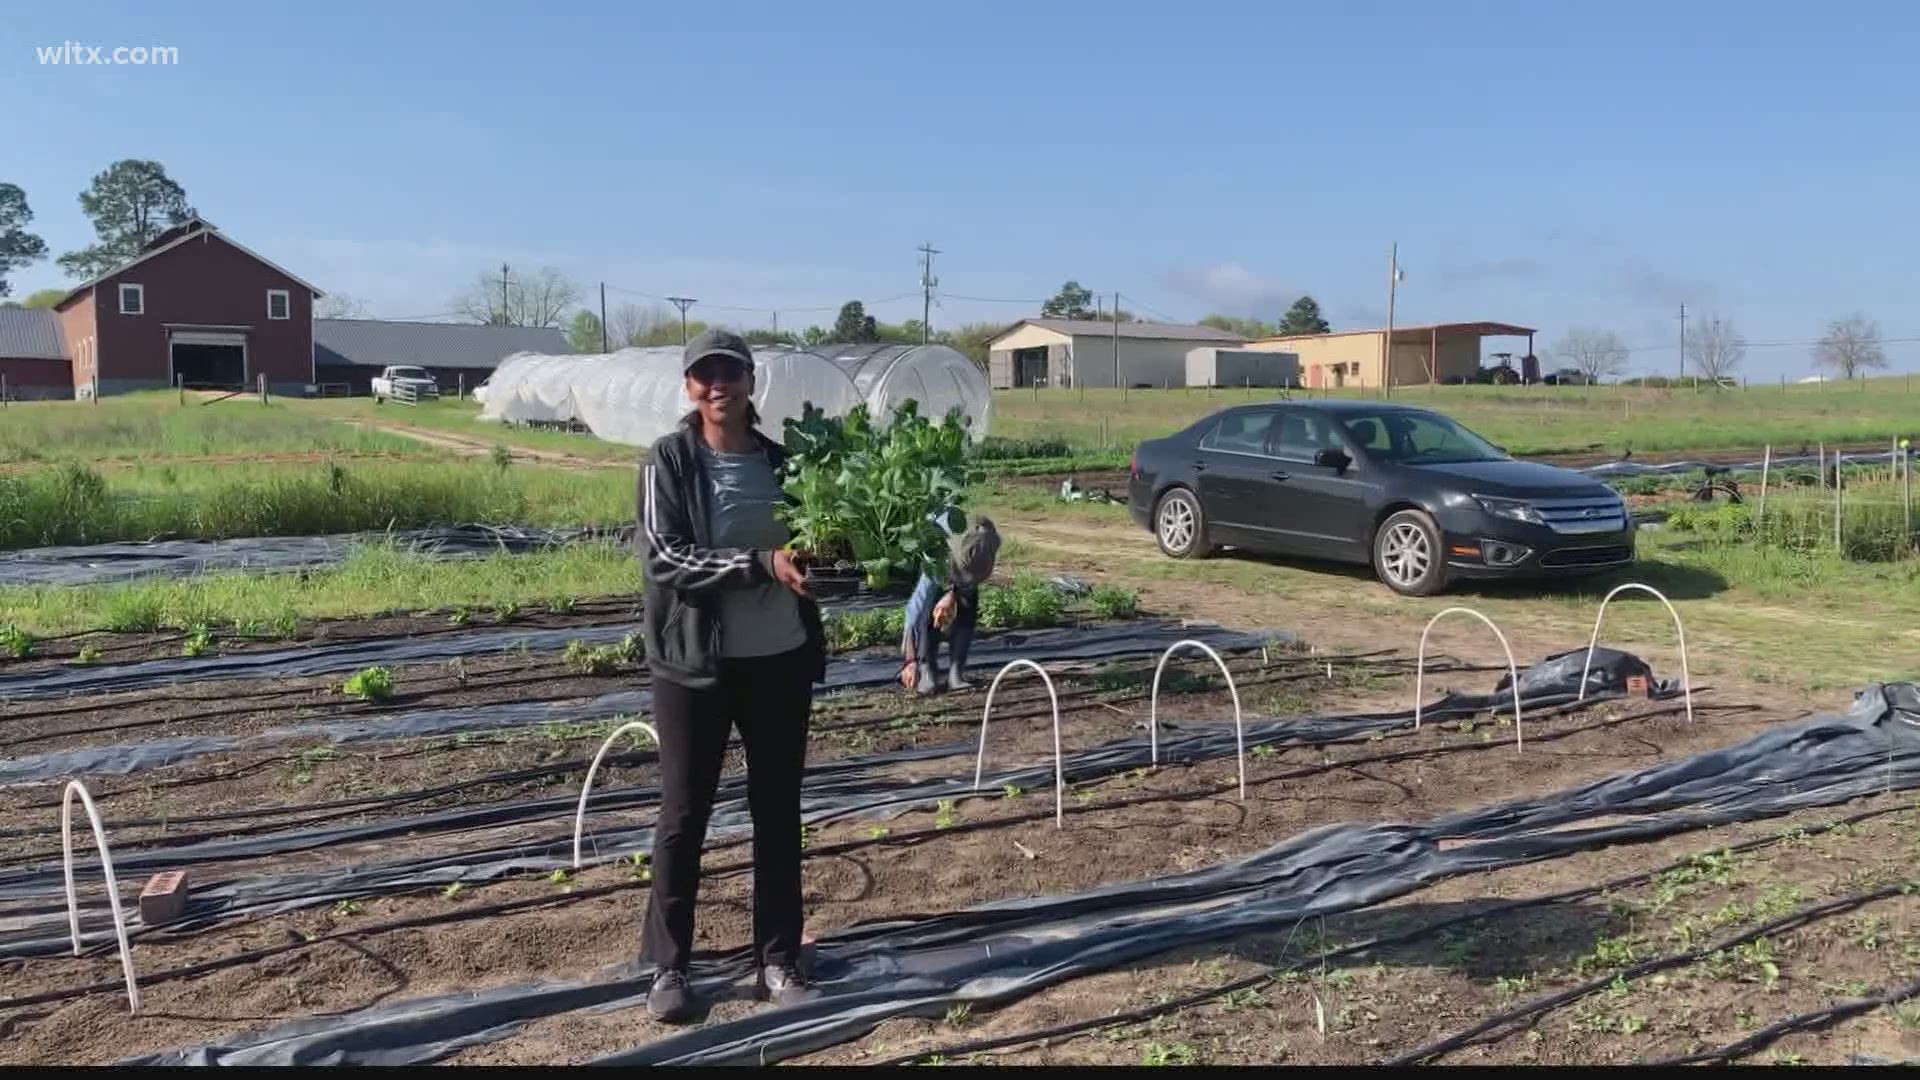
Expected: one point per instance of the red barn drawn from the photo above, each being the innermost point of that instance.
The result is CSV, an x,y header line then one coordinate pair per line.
x,y
195,308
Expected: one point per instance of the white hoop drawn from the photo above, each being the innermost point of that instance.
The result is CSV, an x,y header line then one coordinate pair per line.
x,y
1513,670
580,815
1153,707
1059,769
75,787
1686,680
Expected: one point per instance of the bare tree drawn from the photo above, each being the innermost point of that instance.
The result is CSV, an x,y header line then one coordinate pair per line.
x,y
1851,346
1597,354
1715,349
629,323
340,306
540,298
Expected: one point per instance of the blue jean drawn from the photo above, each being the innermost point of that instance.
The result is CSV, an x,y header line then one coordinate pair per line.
x,y
923,638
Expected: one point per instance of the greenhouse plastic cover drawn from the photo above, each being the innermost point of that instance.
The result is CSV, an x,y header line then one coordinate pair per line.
x,y
1004,950
634,396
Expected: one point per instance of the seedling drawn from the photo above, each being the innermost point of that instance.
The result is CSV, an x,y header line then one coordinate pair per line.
x,y
16,642
460,617
562,605
89,654
1011,791
877,832
1264,750
453,890
199,641
944,816
958,1015
806,838
560,877
1607,953
370,684
506,610
1244,998
1512,985
640,870
1168,1054
348,907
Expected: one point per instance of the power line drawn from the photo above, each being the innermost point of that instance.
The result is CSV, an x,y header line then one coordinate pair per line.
x,y
990,299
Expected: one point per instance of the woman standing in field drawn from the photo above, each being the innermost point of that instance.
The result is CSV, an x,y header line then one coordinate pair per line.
x,y
732,640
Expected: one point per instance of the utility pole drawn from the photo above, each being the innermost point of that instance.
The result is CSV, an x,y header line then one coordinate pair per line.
x,y
505,320
1682,343
927,282
1116,346
1386,344
603,318
683,303
776,323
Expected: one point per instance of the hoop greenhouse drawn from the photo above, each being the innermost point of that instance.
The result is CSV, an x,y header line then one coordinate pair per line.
x,y
634,396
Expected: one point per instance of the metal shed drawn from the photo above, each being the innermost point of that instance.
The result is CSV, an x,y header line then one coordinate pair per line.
x,y
1211,365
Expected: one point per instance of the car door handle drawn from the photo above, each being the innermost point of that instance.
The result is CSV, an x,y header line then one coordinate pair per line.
x,y
1199,466
1280,474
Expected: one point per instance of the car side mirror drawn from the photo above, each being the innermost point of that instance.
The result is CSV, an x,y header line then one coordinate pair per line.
x,y
1332,458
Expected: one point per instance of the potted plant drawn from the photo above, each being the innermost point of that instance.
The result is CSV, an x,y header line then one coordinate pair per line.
x,y
864,503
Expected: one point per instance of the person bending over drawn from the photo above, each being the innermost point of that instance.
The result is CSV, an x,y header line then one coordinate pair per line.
x,y
951,611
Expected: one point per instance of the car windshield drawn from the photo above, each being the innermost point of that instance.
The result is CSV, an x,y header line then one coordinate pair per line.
x,y
409,373
1417,438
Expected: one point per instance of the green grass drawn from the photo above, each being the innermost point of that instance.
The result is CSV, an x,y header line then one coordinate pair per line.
x,y
375,579
70,504
155,425
1526,420
462,418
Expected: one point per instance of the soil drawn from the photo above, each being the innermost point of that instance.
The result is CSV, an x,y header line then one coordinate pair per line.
x,y
334,957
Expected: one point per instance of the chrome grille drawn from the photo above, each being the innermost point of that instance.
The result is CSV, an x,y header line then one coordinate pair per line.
x,y
1573,517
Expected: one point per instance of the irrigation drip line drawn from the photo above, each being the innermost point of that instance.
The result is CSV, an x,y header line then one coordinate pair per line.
x,y
1001,951
845,788
1360,948
1806,1021
1548,1002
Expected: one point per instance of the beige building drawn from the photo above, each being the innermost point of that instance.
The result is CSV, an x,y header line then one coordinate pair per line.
x,y
1421,354
1080,352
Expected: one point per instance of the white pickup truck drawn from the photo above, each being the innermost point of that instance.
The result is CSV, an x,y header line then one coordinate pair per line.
x,y
408,384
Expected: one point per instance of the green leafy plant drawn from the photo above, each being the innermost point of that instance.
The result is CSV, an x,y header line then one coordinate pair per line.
x,y
453,890
460,617
500,456
89,654
560,877
1178,1053
199,641
370,684
958,1015
877,832
562,605
1011,791
16,642
348,907
944,815
1113,602
863,495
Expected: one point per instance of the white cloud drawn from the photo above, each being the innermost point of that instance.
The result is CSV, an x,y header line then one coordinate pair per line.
x,y
1232,289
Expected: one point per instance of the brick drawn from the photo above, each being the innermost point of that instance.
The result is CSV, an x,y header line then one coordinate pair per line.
x,y
165,897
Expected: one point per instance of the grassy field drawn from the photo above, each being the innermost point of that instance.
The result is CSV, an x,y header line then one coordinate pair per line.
x,y
1525,420
153,426
462,419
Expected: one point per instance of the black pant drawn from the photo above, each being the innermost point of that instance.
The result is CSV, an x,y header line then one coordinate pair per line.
x,y
770,700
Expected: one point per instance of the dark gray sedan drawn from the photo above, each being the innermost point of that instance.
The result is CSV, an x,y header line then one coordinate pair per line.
x,y
1406,489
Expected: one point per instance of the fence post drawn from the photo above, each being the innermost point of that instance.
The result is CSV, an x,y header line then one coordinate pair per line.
x,y
3,389
262,378
1837,481
1906,489
460,388
1823,466
180,385
1766,466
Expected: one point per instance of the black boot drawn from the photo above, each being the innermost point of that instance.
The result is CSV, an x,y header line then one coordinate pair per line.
x,y
959,640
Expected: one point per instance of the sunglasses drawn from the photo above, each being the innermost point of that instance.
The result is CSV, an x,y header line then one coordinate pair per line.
x,y
714,369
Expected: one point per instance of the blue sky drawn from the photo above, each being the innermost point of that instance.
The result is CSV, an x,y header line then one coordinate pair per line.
x,y
1545,164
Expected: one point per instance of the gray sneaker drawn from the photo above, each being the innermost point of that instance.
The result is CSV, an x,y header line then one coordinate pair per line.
x,y
670,999
786,986
957,681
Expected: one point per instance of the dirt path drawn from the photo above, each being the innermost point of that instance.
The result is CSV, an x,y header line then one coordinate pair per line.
x,y
473,447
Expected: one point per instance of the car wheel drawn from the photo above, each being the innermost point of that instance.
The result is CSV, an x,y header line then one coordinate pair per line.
x,y
1181,526
1407,556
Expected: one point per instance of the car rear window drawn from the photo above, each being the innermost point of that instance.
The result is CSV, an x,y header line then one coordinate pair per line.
x,y
1240,433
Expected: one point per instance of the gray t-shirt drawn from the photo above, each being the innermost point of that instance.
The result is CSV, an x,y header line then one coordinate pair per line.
x,y
763,620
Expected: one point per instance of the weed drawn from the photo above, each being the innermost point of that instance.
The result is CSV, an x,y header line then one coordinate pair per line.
x,y
16,642
370,684
562,605
1244,998
89,654
958,1015
806,838
638,868
453,890
348,907
460,617
1867,932
1178,1053
1758,956
1264,750
1028,602
1011,791
877,832
1785,1057
560,877
500,457
944,816
1113,602
1778,899
199,641
1632,1025
506,611
1513,985
1905,1013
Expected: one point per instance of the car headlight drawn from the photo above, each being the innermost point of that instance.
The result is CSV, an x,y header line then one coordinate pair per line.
x,y
1511,509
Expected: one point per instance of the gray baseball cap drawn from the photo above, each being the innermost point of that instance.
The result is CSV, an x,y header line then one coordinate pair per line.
x,y
717,343
974,552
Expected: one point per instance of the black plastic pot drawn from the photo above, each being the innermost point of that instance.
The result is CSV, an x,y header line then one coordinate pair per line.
x,y
833,582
